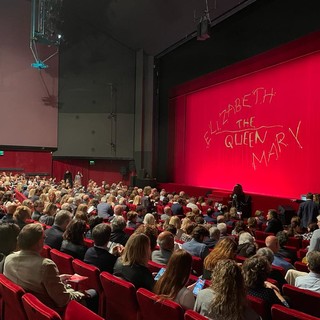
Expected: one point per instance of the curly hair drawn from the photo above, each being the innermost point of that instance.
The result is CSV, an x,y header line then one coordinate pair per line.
x,y
225,249
75,231
255,271
229,300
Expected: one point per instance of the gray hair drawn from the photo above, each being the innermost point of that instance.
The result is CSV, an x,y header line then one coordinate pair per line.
x,y
118,223
266,252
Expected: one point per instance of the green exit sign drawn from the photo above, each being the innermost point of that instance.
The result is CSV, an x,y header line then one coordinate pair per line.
x,y
1,153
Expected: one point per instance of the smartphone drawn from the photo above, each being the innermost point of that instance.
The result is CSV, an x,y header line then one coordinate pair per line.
x,y
199,286
159,274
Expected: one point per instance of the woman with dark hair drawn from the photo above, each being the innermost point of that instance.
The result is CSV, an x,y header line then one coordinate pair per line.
x,y
225,249
132,266
255,272
172,284
238,197
73,243
226,297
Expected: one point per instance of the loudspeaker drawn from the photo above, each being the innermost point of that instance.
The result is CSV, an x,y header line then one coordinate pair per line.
x,y
286,213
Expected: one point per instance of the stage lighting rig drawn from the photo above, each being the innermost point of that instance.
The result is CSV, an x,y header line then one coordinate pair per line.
x,y
45,28
204,24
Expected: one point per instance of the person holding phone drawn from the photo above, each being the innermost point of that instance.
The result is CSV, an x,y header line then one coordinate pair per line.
x,y
172,284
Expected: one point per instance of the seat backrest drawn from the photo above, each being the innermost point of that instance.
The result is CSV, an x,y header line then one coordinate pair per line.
x,y
87,270
303,300
63,261
192,315
120,297
12,303
300,266
259,306
280,312
128,230
76,310
294,242
35,309
197,265
93,281
151,307
45,252
154,266
282,270
261,235
88,242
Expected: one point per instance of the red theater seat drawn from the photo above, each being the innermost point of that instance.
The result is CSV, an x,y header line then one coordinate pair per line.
x,y
120,298
303,300
75,310
63,261
280,312
258,305
12,308
35,309
300,266
88,242
46,251
93,281
197,265
152,308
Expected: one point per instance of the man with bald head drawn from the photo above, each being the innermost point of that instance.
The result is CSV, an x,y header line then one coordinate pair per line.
x,y
273,244
166,243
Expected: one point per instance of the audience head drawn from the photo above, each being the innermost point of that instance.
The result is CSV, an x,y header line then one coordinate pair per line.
x,y
101,234
225,249
313,259
282,237
171,228
66,206
31,237
149,219
199,233
94,221
255,271
8,237
252,222
229,301
62,219
50,209
151,232
118,209
267,253
272,243
22,213
118,223
214,233
245,237
222,228
176,275
175,220
221,218
137,250
38,206
166,241
272,214
75,231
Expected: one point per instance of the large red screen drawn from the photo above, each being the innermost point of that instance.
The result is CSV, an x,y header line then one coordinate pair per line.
x,y
260,130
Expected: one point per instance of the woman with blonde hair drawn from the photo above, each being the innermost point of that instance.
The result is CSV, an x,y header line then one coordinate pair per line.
x,y
132,266
172,284
226,297
175,220
137,200
225,249
49,213
149,219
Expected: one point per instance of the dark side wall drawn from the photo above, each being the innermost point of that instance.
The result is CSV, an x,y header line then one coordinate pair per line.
x,y
261,26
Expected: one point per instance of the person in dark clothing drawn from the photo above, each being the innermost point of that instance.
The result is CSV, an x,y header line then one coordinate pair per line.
x,y
118,224
274,225
98,255
54,235
68,178
132,266
176,207
308,211
283,252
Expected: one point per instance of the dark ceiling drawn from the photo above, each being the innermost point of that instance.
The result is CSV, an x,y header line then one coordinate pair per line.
x,y
142,24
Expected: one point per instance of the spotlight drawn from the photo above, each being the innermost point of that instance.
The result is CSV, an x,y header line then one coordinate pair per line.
x,y
203,28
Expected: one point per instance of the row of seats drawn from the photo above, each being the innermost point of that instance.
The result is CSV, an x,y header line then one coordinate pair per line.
x,y
15,304
106,285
